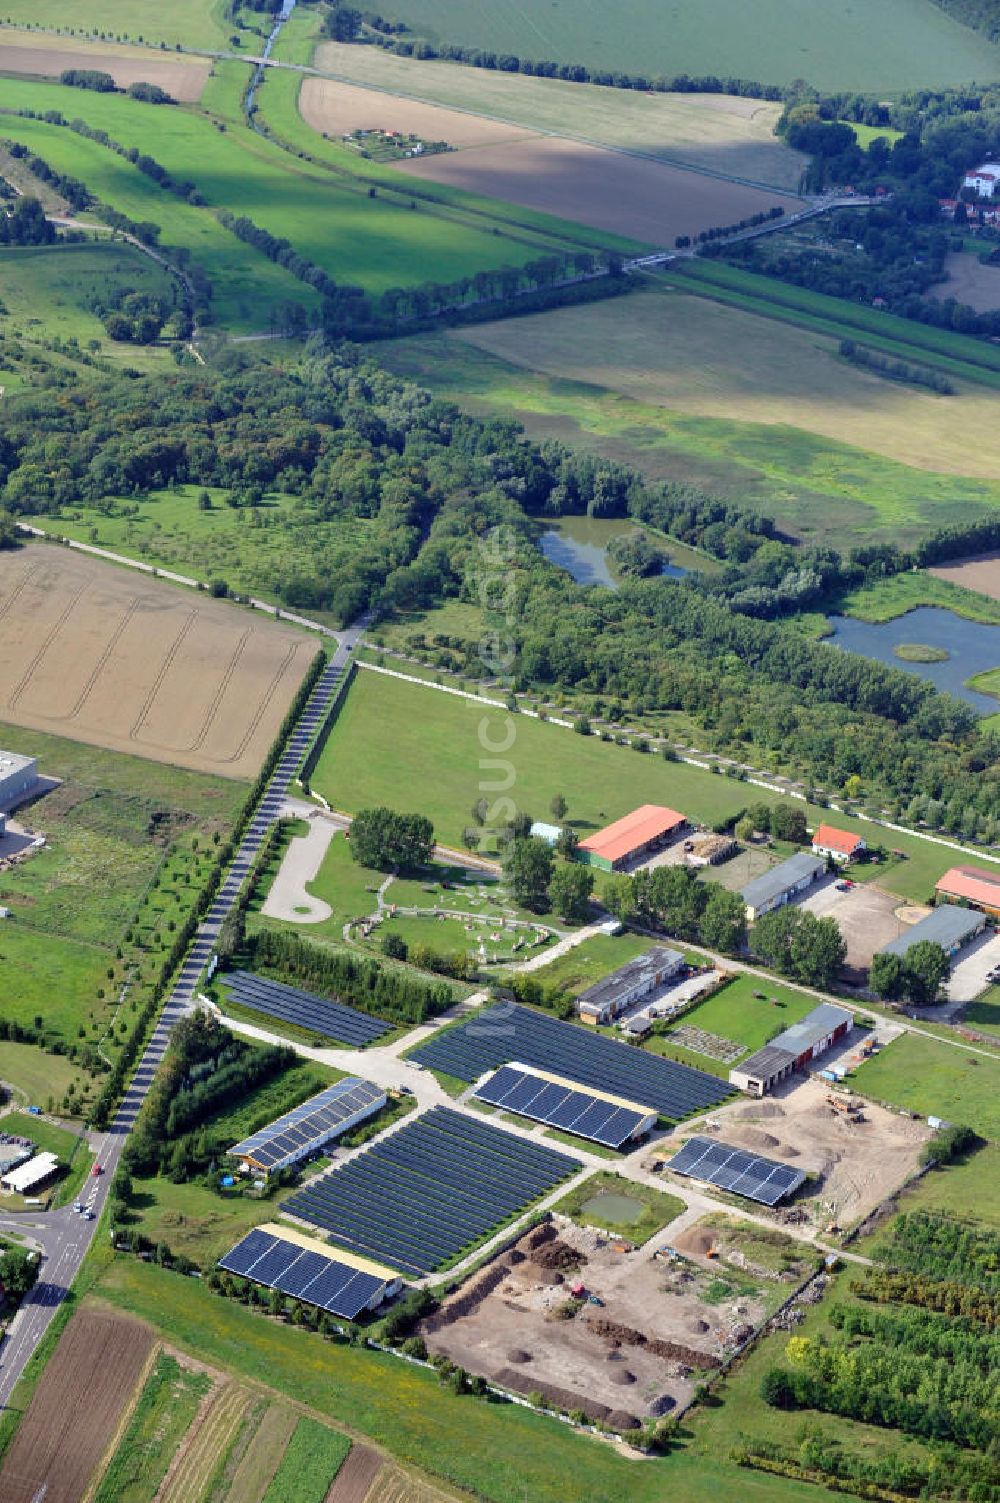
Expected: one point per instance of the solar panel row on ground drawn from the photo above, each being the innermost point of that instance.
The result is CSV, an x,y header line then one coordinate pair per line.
x,y
305,1275
560,1106
419,1196
749,1174
308,1127
500,1034
316,1014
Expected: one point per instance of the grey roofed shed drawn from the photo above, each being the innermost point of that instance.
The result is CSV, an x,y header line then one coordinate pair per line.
x,y
815,1026
949,926
785,877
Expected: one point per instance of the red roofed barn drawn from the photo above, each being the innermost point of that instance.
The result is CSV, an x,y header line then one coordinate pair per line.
x,y
972,885
840,844
647,829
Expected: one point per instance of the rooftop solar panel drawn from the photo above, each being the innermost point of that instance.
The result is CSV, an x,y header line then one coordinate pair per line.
x,y
301,1273
572,1110
312,1124
497,1035
748,1174
436,1186
289,1004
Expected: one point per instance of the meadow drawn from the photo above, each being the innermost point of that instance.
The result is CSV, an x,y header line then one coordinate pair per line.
x,y
718,132
925,1075
24,52
183,23
887,46
418,751
750,1011
48,291
248,547
823,490
497,1452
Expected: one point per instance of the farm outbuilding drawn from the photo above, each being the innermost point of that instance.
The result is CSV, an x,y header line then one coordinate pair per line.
x,y
18,777
974,886
608,998
643,832
793,1049
307,1129
781,884
840,845
949,926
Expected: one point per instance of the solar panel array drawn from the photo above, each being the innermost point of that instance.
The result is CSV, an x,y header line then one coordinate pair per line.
x,y
503,1033
419,1196
733,1169
561,1106
305,1275
310,1125
316,1014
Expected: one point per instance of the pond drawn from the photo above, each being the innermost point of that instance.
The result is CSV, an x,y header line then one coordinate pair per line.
x,y
580,546
972,648
613,1210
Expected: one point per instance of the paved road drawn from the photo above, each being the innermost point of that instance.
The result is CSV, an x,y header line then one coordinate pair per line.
x,y
64,1235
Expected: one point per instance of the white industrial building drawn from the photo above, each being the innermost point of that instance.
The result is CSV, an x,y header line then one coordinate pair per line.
x,y
18,778
984,180
35,1172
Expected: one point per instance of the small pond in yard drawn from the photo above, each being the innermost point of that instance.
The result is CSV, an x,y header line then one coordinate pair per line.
x,y
580,546
613,1210
972,647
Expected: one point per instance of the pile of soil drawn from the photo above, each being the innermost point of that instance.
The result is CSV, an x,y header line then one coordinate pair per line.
x,y
753,1137
558,1398
557,1254
623,1376
464,1304
518,1354
670,1351
662,1405
619,1419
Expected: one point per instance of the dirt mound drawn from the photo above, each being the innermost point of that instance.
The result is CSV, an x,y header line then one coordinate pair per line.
x,y
471,1299
516,1256
557,1254
518,1354
760,1111
541,1234
753,1137
558,1398
698,1325
670,1351
550,1276
620,1419
697,1239
662,1405
623,1376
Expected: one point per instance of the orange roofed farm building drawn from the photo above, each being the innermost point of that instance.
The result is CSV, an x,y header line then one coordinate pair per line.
x,y
647,829
840,844
972,885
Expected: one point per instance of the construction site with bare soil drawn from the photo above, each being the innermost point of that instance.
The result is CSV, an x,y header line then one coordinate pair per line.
x,y
615,1332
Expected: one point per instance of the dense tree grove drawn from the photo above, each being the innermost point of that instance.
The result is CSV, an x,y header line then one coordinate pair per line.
x,y
798,944
26,224
917,976
437,494
389,841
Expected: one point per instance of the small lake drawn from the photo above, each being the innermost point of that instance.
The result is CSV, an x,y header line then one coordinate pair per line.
x,y
580,546
973,648
612,1209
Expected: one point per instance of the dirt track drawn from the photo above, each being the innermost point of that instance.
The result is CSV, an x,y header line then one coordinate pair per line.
x,y
76,1409
625,195
183,81
127,662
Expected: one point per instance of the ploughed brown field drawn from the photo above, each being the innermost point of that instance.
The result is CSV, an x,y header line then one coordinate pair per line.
x,y
120,660
610,190
21,52
76,1409
980,572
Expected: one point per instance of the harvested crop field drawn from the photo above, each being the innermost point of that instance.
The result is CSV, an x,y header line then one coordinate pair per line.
x,y
353,1482
981,572
76,1409
156,671
183,79
216,1424
337,109
691,355
720,132
970,282
609,190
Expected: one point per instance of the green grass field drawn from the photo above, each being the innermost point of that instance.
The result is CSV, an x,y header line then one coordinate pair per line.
x,y
193,1220
38,1076
47,292
189,23
429,764
314,1456
887,46
249,548
905,592
930,1077
984,1013
55,979
738,1013
496,1452
824,489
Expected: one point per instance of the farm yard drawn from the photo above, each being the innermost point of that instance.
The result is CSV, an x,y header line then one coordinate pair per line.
x,y
648,201
171,676
183,78
887,46
718,132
